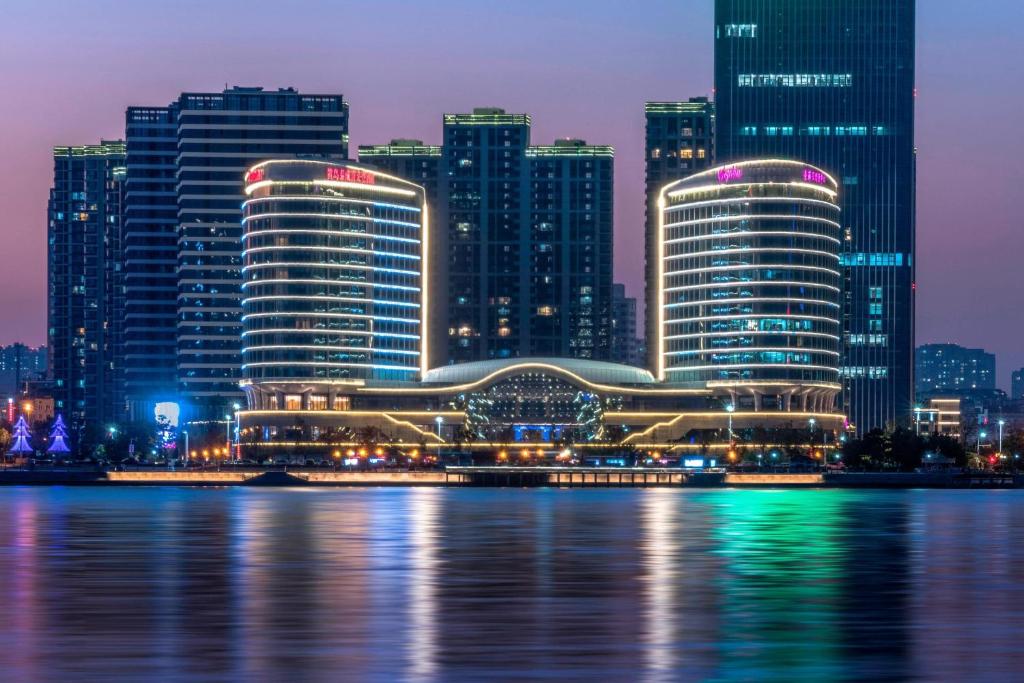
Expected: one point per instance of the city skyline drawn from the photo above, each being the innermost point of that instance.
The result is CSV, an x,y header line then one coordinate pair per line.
x,y
965,248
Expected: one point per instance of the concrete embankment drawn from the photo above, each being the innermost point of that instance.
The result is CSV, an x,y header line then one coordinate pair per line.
x,y
559,477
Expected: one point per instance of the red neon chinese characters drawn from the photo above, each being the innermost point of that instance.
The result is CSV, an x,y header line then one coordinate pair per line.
x,y
351,175
254,176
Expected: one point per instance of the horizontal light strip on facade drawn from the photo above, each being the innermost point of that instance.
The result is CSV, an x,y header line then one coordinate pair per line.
x,y
740,366
347,250
326,198
365,333
375,366
331,216
752,317
345,283
345,233
313,264
751,349
746,217
752,250
316,347
306,297
751,283
749,266
753,333
318,314
752,299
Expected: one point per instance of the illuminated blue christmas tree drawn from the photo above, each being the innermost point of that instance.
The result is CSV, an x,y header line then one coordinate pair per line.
x,y
58,437
22,436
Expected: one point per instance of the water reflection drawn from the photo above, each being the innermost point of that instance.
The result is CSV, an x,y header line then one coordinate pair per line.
x,y
443,584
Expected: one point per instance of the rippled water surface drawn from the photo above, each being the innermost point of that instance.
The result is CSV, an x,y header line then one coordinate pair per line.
x,y
504,584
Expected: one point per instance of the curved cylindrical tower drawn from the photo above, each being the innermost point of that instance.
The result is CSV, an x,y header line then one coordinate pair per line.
x,y
333,261
749,283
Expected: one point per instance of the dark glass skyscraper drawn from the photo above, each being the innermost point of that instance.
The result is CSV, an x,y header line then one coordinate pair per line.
x,y
831,82
150,259
679,141
187,162
84,282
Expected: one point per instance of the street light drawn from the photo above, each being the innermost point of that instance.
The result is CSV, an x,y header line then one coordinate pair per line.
x,y
811,422
730,408
1001,423
981,435
238,449
440,421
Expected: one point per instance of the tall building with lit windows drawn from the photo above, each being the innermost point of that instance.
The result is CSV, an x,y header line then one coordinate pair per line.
x,y
679,139
335,281
749,287
84,282
186,162
528,231
832,83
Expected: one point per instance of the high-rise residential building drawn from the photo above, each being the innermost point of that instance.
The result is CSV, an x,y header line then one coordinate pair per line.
x,y
335,287
210,139
832,83
409,159
953,370
19,363
748,284
85,281
528,234
150,259
679,140
1017,384
626,348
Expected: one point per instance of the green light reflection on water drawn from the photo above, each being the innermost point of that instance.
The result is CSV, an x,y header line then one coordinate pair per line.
x,y
779,587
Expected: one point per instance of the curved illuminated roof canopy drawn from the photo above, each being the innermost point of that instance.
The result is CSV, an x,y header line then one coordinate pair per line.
x,y
597,372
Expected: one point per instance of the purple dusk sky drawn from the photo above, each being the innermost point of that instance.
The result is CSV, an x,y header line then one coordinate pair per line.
x,y
581,68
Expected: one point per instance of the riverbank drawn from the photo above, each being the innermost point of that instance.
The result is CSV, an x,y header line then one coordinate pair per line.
x,y
561,477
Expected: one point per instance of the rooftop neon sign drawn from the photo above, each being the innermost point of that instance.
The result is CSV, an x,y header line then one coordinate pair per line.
x,y
729,173
813,176
254,176
351,175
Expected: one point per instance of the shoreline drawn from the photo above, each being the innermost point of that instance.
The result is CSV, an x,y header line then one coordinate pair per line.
x,y
519,477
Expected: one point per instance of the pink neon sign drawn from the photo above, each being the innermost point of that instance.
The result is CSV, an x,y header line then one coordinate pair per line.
x,y
729,173
351,175
813,176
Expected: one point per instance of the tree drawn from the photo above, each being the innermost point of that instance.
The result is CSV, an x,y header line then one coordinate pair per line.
x,y
22,438
58,437
5,440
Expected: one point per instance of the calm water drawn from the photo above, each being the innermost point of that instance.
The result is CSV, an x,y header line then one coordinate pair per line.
x,y
435,584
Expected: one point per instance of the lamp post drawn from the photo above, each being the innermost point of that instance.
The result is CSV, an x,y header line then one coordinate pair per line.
x,y
981,435
227,436
1001,423
917,420
439,421
811,422
730,408
184,433
238,448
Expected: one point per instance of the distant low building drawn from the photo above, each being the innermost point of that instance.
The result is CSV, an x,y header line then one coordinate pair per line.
x,y
940,415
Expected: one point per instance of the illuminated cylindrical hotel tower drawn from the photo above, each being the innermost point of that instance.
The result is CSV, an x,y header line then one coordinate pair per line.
x,y
334,257
749,284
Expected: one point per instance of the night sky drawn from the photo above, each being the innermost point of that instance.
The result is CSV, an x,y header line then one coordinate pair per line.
x,y
581,68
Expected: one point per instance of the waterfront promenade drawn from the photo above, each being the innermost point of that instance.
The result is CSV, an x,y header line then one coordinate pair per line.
x,y
558,477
